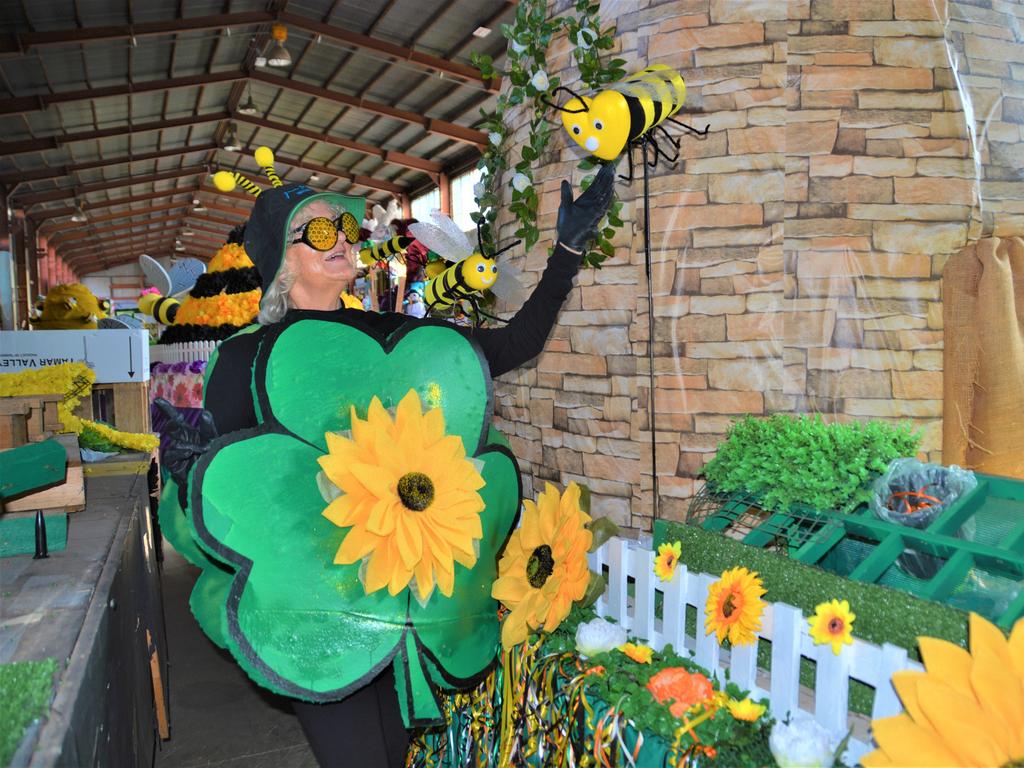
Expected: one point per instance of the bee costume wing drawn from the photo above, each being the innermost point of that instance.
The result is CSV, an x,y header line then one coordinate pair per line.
x,y
444,222
448,242
509,285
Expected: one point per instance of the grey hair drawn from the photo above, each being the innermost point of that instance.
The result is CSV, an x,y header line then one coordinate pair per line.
x,y
276,302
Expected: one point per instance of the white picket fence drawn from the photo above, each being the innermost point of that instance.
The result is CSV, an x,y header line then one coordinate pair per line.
x,y
783,625
182,353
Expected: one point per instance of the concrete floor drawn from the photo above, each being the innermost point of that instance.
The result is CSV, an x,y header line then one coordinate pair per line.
x,y
218,716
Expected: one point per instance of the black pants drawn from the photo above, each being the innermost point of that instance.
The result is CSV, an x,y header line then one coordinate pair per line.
x,y
363,731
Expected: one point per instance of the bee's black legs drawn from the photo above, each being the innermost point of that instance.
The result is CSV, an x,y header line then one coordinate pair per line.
x,y
691,129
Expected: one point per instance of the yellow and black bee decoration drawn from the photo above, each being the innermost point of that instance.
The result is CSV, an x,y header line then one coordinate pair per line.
x,y
226,181
626,114
384,251
162,308
472,273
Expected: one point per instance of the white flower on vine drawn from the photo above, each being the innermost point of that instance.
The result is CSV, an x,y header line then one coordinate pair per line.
x,y
517,47
540,80
585,37
478,190
520,182
495,138
598,636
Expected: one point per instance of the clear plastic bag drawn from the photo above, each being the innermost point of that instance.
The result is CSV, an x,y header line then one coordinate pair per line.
x,y
914,494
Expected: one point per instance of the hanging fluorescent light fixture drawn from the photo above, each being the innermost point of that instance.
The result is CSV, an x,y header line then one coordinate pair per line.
x,y
248,107
231,143
314,177
279,56
79,216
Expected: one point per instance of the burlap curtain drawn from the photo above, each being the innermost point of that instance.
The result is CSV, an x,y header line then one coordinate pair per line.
x,y
983,413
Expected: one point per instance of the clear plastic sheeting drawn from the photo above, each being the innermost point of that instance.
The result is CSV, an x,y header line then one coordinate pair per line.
x,y
914,494
799,252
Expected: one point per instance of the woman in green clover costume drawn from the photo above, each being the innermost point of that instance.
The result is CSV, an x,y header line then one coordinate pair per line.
x,y
349,517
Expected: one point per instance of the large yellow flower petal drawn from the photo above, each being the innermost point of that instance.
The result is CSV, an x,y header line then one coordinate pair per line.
x,y
907,744
905,683
947,662
1016,648
358,543
949,712
988,639
1001,701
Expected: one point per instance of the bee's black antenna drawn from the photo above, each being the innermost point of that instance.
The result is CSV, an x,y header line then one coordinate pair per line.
x,y
690,128
513,244
559,107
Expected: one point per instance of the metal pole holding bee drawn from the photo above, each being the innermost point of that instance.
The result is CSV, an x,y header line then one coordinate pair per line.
x,y
625,115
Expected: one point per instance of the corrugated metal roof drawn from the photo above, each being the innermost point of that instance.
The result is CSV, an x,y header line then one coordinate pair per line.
x,y
60,151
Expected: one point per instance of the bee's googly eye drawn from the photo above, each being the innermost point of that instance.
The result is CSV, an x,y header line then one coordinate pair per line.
x,y
494,268
598,125
576,130
480,267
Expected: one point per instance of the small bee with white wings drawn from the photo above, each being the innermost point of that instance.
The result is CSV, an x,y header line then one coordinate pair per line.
x,y
472,273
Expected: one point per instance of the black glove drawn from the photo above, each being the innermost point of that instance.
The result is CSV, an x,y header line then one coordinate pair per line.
x,y
187,443
578,219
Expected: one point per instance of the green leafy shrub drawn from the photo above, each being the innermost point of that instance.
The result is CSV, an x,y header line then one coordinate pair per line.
x,y
787,460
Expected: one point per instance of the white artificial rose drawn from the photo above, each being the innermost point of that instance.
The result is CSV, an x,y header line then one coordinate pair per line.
x,y
585,37
803,743
520,182
598,636
517,47
540,80
478,190
495,138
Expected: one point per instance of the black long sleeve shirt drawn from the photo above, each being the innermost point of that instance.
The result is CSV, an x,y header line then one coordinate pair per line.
x,y
228,395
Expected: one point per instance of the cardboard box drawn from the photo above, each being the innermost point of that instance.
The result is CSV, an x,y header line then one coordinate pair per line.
x,y
117,356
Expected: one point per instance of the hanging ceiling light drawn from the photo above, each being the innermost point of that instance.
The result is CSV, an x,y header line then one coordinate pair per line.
x,y
79,216
314,177
248,107
197,206
187,232
179,246
279,56
231,143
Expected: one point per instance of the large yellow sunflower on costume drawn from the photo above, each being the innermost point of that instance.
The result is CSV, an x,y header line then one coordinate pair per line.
x,y
735,606
409,497
966,708
544,568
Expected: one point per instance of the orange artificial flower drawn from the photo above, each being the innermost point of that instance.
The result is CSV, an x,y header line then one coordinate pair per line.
x,y
683,688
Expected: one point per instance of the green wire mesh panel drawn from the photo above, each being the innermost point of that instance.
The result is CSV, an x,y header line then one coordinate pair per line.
x,y
741,516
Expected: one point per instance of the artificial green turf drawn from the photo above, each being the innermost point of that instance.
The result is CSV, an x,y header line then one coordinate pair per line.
x,y
26,688
883,615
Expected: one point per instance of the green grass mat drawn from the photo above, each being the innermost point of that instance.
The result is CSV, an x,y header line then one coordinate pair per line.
x,y
26,688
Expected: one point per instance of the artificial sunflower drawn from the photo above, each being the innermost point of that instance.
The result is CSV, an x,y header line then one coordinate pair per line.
x,y
685,689
735,606
641,654
409,497
544,568
667,560
966,708
746,709
832,622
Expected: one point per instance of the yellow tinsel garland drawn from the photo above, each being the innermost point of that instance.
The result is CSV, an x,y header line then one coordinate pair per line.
x,y
75,381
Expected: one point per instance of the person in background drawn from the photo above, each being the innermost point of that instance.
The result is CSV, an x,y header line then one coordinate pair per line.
x,y
365,729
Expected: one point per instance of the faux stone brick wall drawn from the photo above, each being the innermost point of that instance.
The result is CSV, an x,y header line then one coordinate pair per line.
x,y
797,251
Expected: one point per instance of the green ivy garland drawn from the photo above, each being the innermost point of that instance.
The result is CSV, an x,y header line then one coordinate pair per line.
x,y
529,38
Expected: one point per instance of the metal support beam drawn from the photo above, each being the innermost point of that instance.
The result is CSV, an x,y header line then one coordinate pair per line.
x,y
70,193
20,177
395,158
49,215
8,148
42,102
429,124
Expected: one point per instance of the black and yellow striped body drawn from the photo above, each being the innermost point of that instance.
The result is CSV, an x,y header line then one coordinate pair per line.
x,y
272,175
251,187
162,308
388,249
460,281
